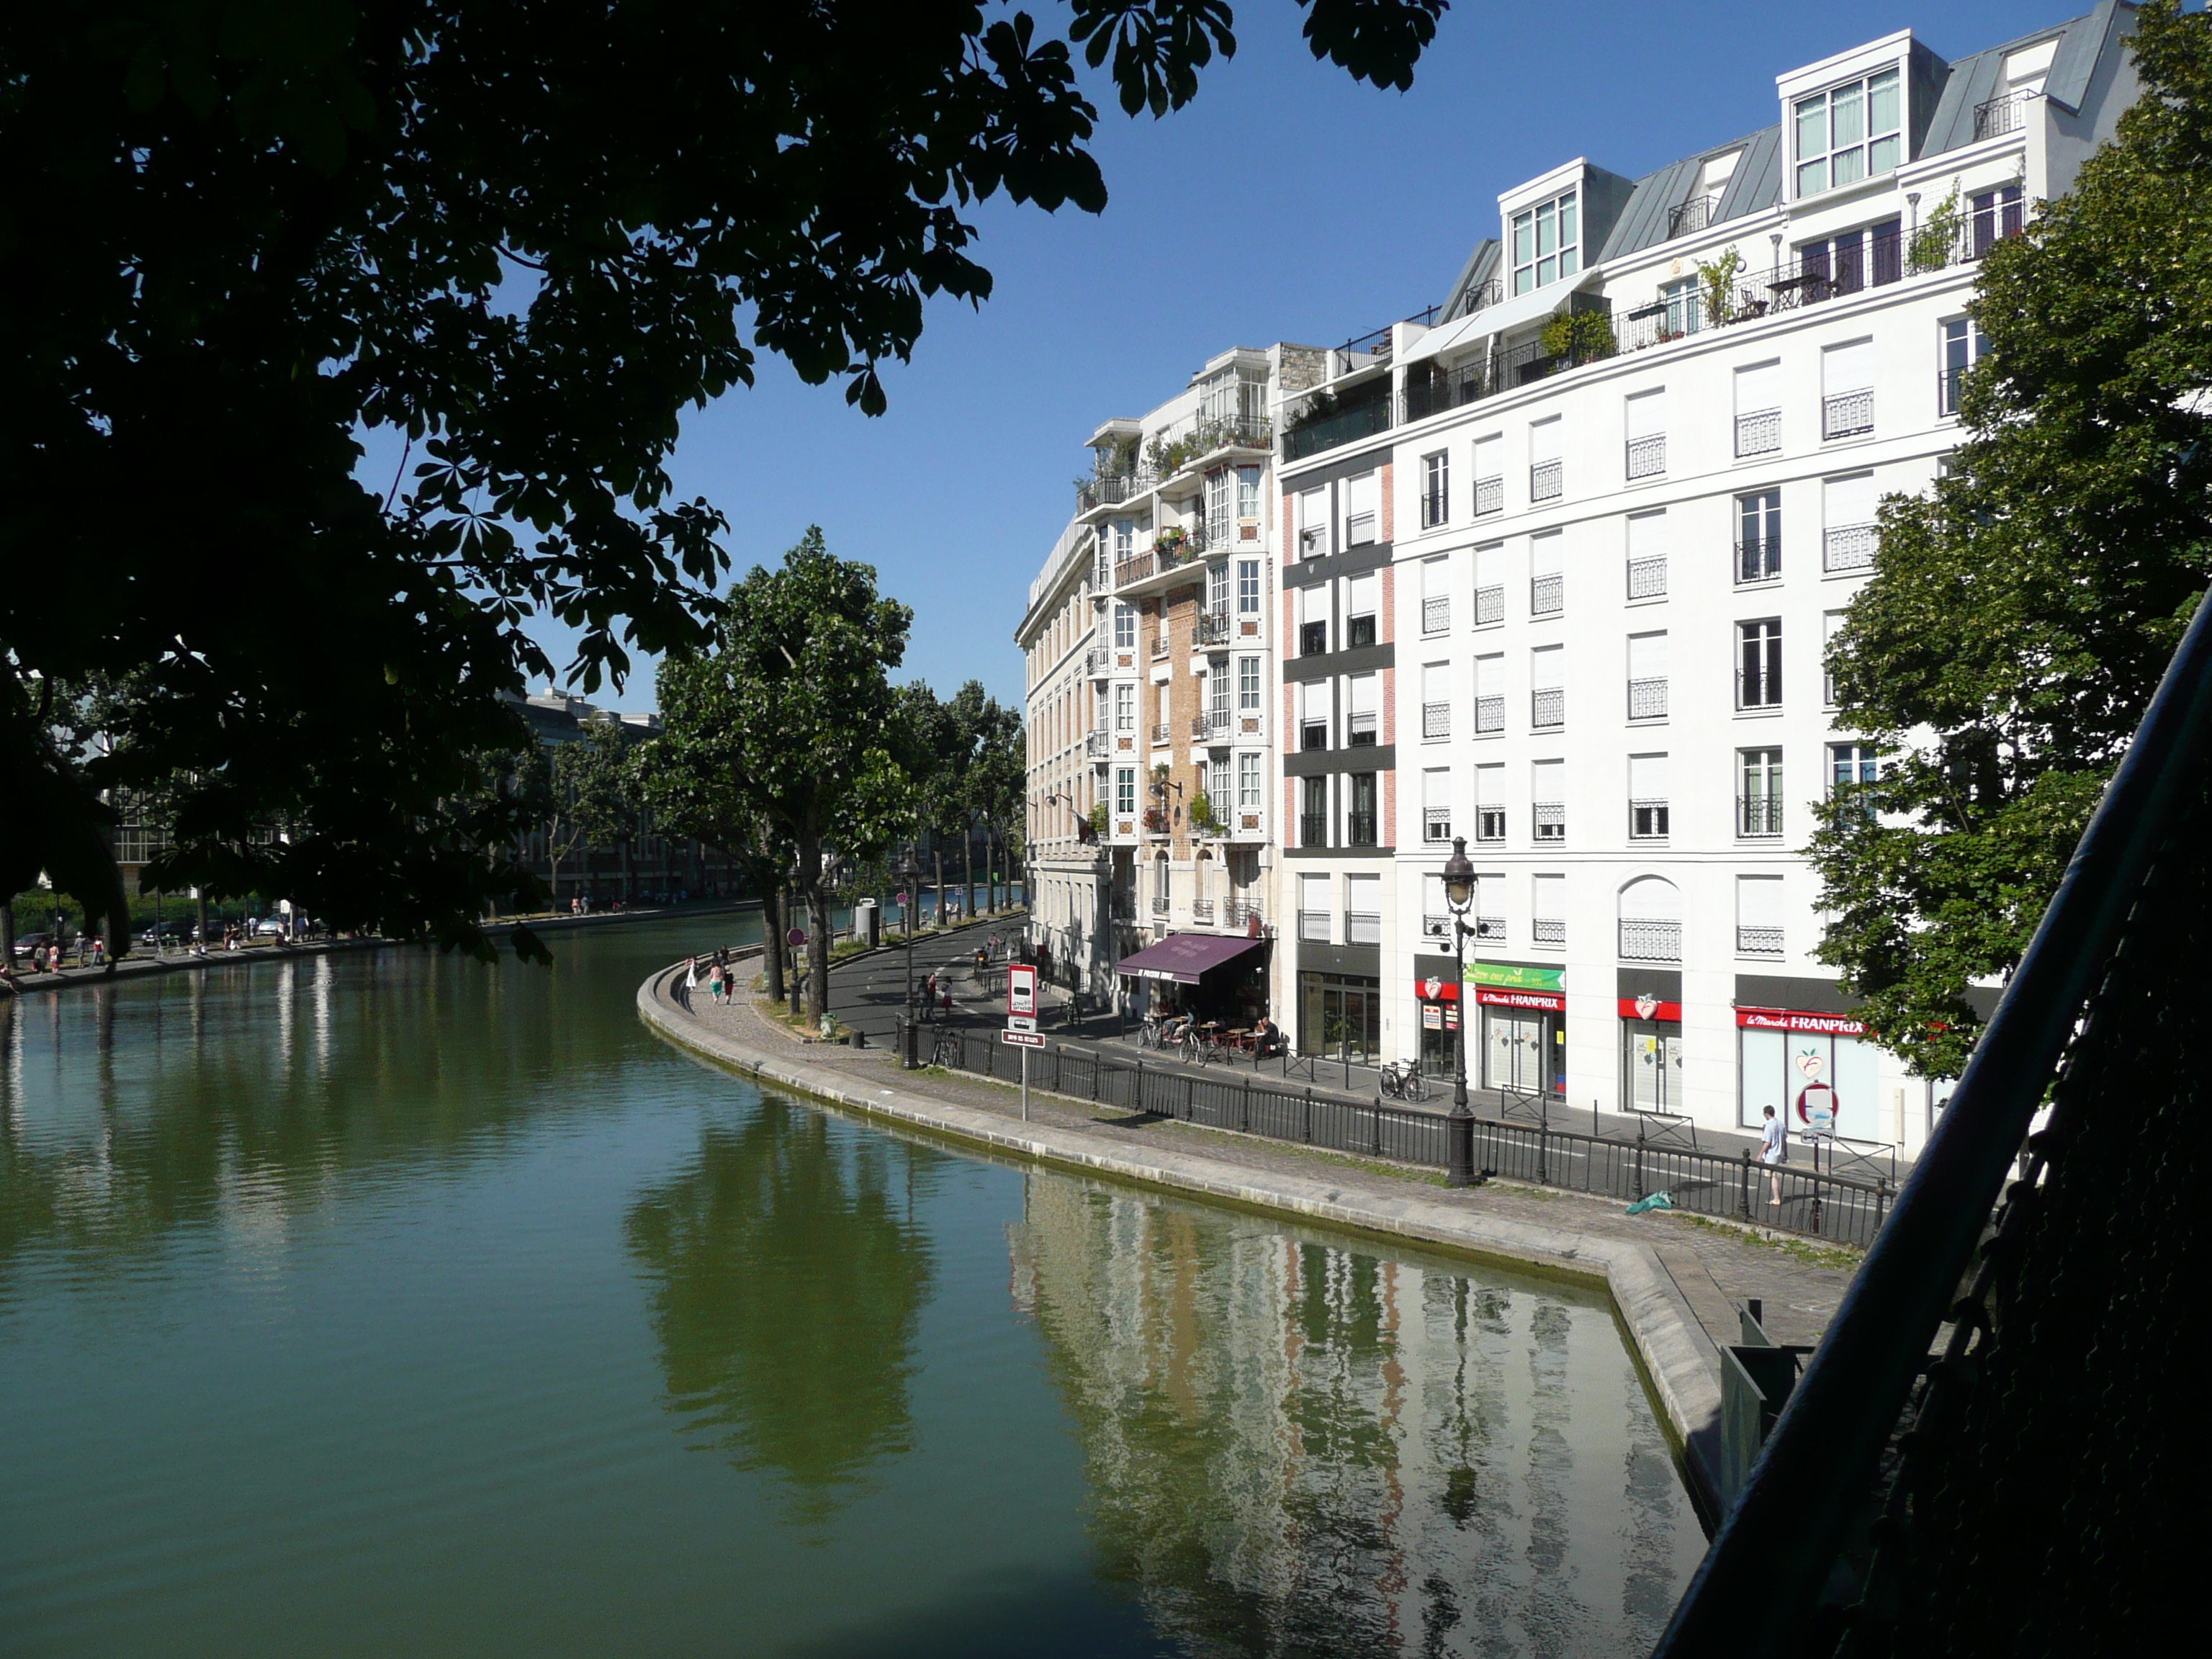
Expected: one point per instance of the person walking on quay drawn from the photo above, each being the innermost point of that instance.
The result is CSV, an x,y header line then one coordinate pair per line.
x,y
690,980
1773,1151
714,982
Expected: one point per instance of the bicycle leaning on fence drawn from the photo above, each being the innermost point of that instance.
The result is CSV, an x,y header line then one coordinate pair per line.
x,y
1402,1081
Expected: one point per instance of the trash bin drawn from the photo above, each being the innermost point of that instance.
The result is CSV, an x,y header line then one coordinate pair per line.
x,y
868,923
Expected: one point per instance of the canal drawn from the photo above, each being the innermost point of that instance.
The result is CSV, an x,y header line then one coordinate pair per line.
x,y
373,1305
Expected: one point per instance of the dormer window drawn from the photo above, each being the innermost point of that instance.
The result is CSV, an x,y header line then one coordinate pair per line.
x,y
1547,243
1848,133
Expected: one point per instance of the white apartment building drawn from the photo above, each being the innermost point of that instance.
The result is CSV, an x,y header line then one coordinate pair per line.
x,y
1150,655
1627,481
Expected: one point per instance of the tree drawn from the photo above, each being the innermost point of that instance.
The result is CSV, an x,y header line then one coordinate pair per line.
x,y
2020,617
518,241
800,681
596,775
998,778
691,775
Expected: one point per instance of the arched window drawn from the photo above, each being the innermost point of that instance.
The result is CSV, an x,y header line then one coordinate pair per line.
x,y
1650,921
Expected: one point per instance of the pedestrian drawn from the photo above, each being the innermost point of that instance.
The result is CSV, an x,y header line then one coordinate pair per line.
x,y
690,980
717,983
947,994
1773,1151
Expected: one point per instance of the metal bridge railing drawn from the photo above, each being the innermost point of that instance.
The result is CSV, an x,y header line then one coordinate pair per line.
x,y
2015,1492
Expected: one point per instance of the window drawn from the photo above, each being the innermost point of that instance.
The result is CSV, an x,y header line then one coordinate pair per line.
x,y
1547,697
1217,593
1647,556
1490,584
1125,628
1362,497
1489,802
1489,908
1313,620
1996,214
1361,595
1547,590
1545,480
1685,304
1363,909
1847,389
1247,782
1436,596
1313,715
1831,622
1436,489
1125,791
1647,435
1359,817
1758,409
1847,264
1647,797
1489,474
1758,915
1248,685
1125,537
1490,692
1248,587
1248,494
1547,243
1759,664
1548,910
1313,524
1852,767
1217,788
1847,523
1125,707
1758,792
1313,816
1436,701
1436,804
1548,801
1313,905
1647,676
1758,536
1964,345
1360,722
1848,133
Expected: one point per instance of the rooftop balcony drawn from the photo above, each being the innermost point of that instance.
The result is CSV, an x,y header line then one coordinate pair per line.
x,y
1328,425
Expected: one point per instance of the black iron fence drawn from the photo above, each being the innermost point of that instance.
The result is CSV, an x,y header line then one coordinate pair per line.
x,y
1533,1145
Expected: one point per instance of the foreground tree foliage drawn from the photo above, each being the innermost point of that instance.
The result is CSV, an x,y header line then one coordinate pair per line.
x,y
2020,617
512,242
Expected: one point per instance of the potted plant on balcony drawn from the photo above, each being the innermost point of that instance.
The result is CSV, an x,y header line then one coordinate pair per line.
x,y
1201,815
1936,241
1169,545
1155,820
1581,337
1094,825
1716,286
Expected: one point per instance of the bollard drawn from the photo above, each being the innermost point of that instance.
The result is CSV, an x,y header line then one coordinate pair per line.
x,y
1747,1183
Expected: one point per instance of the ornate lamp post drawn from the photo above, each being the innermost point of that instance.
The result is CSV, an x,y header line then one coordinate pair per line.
x,y
1459,894
910,874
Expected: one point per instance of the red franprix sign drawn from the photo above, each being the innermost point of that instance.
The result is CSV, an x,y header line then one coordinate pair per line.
x,y
1784,1019
1549,1002
1647,1007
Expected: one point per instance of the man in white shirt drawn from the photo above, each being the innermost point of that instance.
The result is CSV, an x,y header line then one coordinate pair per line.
x,y
1773,1151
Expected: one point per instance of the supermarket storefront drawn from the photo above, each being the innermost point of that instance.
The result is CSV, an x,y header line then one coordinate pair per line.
x,y
1808,1065
1521,1033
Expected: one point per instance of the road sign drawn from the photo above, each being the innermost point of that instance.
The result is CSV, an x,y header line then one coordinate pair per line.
x,y
1022,1039
1022,989
796,937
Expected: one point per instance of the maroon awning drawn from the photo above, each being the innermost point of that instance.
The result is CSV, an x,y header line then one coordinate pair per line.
x,y
1183,958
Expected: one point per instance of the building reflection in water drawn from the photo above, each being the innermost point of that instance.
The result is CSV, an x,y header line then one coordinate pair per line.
x,y
1299,1447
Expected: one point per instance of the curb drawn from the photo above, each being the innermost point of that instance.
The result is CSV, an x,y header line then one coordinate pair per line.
x,y
1680,1364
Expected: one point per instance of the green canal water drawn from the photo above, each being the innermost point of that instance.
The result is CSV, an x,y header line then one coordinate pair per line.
x,y
406,1306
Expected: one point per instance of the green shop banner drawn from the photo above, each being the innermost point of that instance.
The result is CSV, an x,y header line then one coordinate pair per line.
x,y
1513,976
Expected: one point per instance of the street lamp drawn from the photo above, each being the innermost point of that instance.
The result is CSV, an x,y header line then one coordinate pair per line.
x,y
1459,894
910,874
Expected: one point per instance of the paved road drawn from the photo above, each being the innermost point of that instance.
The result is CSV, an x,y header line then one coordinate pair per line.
x,y
868,994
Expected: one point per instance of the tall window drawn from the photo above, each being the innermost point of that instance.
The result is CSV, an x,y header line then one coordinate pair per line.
x,y
1685,306
1363,518
1847,389
1964,345
1646,415
1758,409
1313,715
1313,620
1436,804
1547,243
1313,813
1847,264
1248,587
1125,707
1216,590
1362,713
1362,595
1759,664
1489,802
1125,628
1647,797
1359,824
1313,524
1490,474
1218,486
1831,622
1125,790
1852,767
1248,781
1436,489
1758,536
1848,133
1996,214
1247,493
1758,792
1248,685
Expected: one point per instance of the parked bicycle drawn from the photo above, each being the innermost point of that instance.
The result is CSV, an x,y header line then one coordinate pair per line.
x,y
1402,1081
946,1051
1148,1034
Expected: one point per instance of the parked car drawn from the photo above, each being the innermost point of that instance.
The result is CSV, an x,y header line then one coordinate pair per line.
x,y
176,931
27,942
270,928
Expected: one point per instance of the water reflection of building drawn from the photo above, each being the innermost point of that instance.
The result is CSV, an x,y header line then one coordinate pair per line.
x,y
1292,1443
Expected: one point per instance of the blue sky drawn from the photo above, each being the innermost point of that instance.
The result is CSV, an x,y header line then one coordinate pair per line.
x,y
1286,204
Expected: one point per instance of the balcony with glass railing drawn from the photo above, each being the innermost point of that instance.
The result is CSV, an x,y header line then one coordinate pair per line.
x,y
1650,941
1849,547
1647,699
1331,425
1547,708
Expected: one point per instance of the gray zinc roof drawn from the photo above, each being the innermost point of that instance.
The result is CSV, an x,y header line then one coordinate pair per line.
x,y
1751,188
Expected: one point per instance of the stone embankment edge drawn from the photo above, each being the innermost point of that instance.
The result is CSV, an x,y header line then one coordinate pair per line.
x,y
1681,1364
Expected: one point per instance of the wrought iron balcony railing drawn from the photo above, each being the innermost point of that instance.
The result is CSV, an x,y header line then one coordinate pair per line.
x,y
1359,830
1758,941
1159,904
1849,547
1647,457
1759,433
1313,829
1436,719
1490,823
1758,815
1241,913
1547,707
1694,215
1758,559
1546,481
1647,820
1548,930
1548,595
1160,733
1999,116
1647,699
1847,414
1202,910
1210,726
1549,820
1313,926
1489,494
1363,927
1213,628
1650,941
1436,823
1490,930
1647,577
1489,605
1436,616
1489,714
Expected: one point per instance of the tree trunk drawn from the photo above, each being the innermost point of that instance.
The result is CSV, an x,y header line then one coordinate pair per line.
x,y
967,870
772,938
629,887
936,857
816,903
